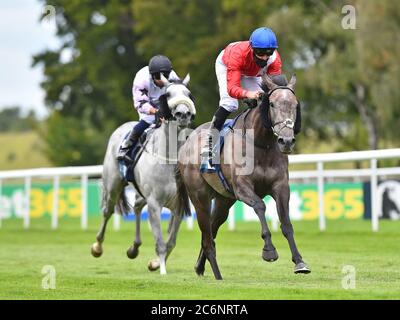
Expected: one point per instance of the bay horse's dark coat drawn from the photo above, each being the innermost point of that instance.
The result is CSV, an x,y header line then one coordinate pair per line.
x,y
269,177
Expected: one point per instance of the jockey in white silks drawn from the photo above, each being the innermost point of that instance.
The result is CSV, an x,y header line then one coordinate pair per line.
x,y
146,90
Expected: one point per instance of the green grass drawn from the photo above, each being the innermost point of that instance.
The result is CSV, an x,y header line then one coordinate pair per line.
x,y
20,150
375,257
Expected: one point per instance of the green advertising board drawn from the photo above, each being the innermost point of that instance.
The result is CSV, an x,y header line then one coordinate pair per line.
x,y
13,200
341,201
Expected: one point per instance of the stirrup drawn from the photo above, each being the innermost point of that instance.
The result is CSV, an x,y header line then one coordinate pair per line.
x,y
123,154
206,166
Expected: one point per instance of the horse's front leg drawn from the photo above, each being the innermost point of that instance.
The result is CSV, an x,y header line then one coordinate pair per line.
x,y
281,194
161,249
245,193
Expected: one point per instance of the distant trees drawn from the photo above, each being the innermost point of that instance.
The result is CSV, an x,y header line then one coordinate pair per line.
x,y
12,119
90,93
348,79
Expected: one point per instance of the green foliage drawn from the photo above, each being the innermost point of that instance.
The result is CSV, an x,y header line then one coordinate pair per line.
x,y
348,79
12,120
73,142
347,76
92,90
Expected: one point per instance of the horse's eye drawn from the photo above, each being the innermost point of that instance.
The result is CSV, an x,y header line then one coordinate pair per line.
x,y
271,105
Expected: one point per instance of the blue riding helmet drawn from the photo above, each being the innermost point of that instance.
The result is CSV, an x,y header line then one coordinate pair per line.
x,y
263,38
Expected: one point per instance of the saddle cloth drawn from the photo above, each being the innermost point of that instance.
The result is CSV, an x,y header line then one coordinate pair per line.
x,y
125,168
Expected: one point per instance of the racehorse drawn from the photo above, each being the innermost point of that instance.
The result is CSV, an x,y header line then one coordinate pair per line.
x,y
154,174
273,124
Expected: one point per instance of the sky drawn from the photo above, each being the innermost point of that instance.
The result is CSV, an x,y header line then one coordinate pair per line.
x,y
22,35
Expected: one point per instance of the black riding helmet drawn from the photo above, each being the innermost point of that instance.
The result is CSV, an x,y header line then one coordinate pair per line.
x,y
160,64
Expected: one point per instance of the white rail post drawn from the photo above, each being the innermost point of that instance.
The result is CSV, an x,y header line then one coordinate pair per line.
x,y
84,216
374,189
321,203
117,222
27,213
189,222
274,223
231,219
190,219
54,216
0,201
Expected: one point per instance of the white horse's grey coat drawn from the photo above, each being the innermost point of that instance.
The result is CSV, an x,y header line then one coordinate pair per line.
x,y
154,174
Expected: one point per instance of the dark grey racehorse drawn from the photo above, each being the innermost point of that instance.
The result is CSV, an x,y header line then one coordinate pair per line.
x,y
270,129
154,174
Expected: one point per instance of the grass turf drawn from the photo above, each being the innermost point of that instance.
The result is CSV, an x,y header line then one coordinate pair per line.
x,y
375,257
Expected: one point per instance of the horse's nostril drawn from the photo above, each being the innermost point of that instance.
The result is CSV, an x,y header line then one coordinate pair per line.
x,y
293,140
281,141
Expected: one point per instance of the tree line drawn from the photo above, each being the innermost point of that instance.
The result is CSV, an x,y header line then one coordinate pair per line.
x,y
348,78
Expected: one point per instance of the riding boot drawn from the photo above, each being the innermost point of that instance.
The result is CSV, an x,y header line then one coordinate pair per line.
x,y
130,142
212,135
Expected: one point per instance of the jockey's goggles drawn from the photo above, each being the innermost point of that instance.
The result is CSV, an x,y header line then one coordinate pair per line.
x,y
263,51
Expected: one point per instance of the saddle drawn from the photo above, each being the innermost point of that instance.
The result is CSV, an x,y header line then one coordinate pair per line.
x,y
217,180
126,168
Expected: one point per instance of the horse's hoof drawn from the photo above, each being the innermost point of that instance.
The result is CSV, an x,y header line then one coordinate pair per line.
x,y
96,250
154,264
270,256
132,252
199,271
301,268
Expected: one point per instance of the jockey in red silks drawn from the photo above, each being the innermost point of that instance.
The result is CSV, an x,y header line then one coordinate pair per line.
x,y
239,68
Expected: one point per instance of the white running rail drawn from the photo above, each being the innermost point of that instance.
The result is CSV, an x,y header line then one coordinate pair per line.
x,y
320,174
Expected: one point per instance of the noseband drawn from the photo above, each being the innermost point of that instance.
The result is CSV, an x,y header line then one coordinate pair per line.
x,y
187,100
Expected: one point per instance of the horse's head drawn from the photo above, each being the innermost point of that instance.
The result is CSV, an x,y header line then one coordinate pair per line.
x,y
179,100
280,112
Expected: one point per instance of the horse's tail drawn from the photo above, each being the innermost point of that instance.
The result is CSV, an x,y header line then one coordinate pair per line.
x,y
123,205
182,203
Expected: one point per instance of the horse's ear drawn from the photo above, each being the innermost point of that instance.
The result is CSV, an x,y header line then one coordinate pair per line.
x,y
164,80
186,80
268,82
292,82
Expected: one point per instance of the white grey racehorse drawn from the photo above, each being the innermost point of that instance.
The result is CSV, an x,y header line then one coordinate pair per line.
x,y
154,174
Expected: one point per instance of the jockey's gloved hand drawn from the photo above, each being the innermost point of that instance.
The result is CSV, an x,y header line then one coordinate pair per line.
x,y
164,110
251,103
158,117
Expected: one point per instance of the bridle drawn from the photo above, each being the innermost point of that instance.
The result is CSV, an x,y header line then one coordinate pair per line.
x,y
287,123
187,100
